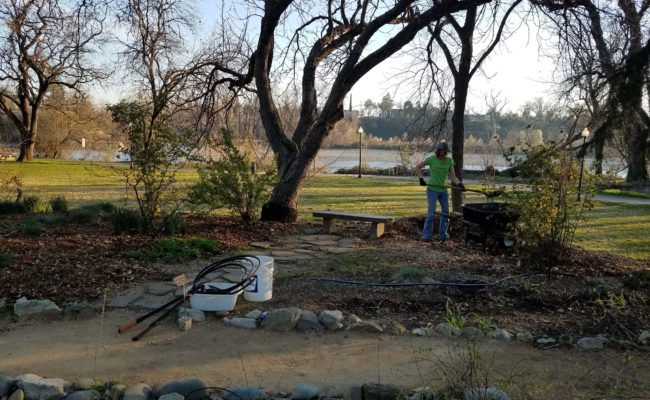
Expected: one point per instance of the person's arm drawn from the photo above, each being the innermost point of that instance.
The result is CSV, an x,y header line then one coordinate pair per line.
x,y
454,178
418,168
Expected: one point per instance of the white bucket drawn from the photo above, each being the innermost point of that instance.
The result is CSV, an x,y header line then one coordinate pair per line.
x,y
215,302
261,289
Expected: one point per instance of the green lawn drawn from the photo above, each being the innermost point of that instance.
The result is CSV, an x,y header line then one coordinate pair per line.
x,y
615,228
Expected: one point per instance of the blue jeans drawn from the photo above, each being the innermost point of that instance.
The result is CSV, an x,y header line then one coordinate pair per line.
x,y
443,198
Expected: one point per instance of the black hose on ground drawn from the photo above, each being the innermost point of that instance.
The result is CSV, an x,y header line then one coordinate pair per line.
x,y
464,284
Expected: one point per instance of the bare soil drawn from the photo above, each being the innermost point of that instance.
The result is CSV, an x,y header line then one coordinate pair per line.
x,y
225,356
72,263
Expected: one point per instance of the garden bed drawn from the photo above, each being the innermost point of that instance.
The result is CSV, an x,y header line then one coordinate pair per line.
x,y
590,293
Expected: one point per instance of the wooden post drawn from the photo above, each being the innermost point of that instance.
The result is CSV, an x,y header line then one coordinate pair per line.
x,y
377,230
328,225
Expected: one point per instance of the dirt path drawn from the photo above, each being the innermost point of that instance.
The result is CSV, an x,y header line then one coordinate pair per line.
x,y
227,356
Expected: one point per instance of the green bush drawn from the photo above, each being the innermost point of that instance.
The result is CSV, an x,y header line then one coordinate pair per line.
x,y
31,203
173,224
176,250
126,220
12,207
92,214
6,260
547,207
230,182
51,219
32,228
59,204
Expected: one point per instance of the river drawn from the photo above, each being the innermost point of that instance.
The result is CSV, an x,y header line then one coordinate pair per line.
x,y
331,160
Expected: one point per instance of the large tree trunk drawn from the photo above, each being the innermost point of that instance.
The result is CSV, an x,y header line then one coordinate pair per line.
x,y
458,137
26,148
637,148
283,204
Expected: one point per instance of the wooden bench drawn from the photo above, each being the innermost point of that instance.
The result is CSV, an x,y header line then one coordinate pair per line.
x,y
377,221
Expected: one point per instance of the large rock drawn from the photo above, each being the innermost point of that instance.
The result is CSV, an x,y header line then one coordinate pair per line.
x,y
394,328
6,384
172,396
84,395
25,308
245,393
282,319
241,322
423,332
139,391
644,337
308,321
84,384
448,330
591,343
374,391
490,393
525,337
38,388
191,389
18,394
501,334
366,326
304,392
196,315
472,333
332,319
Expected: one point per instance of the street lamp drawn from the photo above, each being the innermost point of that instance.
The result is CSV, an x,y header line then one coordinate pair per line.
x,y
360,133
585,135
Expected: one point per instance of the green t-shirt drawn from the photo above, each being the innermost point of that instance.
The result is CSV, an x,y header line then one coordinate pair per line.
x,y
438,173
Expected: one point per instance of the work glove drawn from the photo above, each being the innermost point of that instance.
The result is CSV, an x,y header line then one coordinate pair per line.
x,y
461,186
422,182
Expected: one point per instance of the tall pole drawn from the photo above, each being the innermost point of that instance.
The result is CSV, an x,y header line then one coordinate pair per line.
x,y
584,134
360,133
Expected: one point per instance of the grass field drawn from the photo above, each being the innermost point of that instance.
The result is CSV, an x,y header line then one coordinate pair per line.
x,y
614,228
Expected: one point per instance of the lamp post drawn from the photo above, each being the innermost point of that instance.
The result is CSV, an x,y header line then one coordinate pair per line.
x,y
360,133
585,135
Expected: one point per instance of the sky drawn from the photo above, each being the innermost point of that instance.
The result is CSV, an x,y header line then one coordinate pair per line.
x,y
515,71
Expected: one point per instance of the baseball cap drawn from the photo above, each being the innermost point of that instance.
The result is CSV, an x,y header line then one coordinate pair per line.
x,y
442,146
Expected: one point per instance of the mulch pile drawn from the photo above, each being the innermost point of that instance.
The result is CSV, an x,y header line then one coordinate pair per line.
x,y
73,262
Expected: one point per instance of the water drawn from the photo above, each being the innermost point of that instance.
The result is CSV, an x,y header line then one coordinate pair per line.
x,y
331,160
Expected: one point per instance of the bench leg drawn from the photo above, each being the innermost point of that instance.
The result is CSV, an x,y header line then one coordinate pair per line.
x,y
328,225
377,230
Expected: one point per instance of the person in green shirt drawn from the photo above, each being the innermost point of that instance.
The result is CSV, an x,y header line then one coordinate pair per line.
x,y
441,167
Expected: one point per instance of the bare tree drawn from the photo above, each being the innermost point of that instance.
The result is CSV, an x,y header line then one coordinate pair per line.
x,y
457,40
605,47
44,44
341,41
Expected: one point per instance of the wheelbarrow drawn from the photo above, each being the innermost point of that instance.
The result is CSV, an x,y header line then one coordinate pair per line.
x,y
489,221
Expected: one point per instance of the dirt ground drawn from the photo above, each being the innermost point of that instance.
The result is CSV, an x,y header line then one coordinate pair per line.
x,y
226,356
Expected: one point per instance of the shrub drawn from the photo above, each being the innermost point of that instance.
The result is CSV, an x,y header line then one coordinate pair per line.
x,y
453,315
50,219
176,250
413,273
32,228
173,224
12,207
230,182
31,203
6,260
547,208
126,220
91,214
157,151
59,204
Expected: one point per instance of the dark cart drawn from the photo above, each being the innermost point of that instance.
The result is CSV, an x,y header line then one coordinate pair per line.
x,y
486,221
